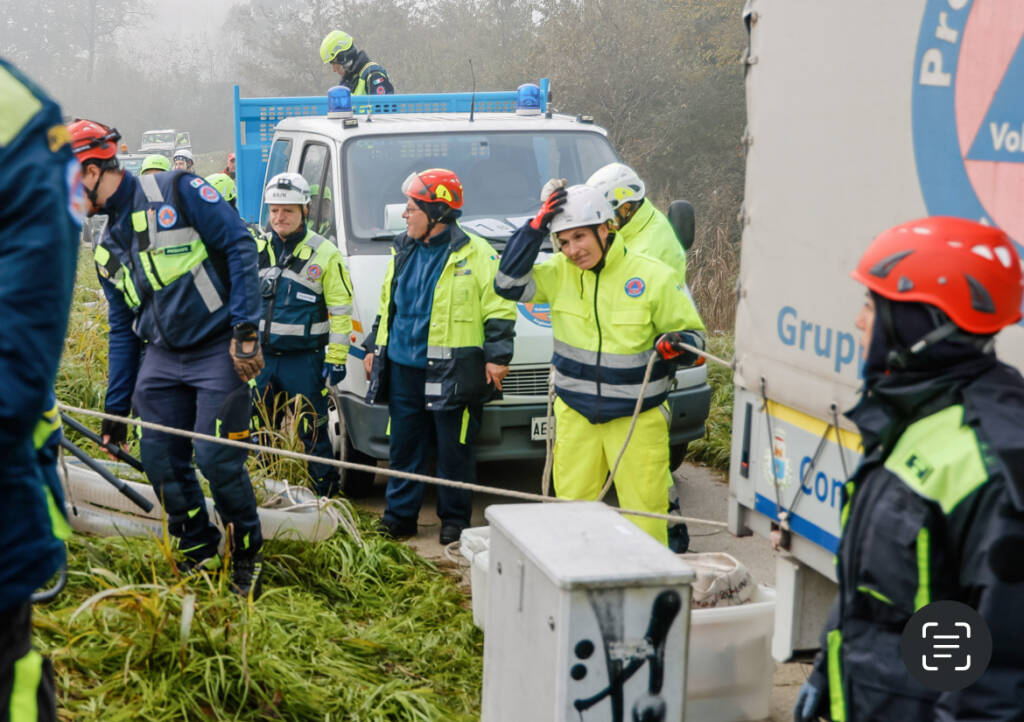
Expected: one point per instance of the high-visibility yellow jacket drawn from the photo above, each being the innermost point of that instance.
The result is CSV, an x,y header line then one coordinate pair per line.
x,y
307,297
650,232
605,321
470,325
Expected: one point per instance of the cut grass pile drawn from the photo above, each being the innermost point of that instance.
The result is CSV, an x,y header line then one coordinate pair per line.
x,y
340,633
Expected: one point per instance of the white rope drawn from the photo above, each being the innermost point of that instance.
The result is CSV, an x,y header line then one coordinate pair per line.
x,y
525,496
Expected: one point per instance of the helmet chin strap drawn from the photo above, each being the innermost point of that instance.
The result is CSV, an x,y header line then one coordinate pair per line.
x,y
899,356
93,195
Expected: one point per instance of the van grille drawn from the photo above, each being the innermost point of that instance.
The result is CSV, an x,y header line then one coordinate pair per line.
x,y
526,382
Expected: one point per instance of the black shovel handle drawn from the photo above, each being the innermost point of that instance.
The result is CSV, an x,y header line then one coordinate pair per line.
x,y
136,498
95,438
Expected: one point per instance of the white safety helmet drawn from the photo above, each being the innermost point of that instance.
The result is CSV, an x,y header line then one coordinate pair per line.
x,y
287,189
584,206
619,183
184,153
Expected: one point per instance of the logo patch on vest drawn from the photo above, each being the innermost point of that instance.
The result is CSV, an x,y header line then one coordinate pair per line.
x,y
314,272
166,216
57,137
635,287
196,182
209,194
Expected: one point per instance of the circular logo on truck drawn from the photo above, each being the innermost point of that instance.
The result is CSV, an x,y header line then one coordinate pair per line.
x,y
968,112
536,313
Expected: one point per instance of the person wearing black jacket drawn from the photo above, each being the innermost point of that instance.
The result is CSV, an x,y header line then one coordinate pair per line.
x,y
935,511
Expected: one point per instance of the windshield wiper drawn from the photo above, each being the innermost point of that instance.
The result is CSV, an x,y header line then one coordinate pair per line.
x,y
384,237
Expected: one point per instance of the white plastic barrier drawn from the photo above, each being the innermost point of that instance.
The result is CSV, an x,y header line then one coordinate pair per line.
x,y
291,513
474,545
731,666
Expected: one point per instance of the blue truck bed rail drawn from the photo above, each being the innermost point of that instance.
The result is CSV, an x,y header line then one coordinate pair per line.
x,y
256,119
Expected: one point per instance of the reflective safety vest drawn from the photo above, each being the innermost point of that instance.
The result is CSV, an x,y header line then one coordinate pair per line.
x,y
176,290
307,298
470,325
650,232
605,323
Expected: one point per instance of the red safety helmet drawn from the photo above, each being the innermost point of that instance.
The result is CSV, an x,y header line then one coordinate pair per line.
x,y
968,270
231,157
436,185
93,141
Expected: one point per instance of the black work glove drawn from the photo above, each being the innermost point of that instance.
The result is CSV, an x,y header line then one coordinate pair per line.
x,y
245,351
117,431
669,348
551,208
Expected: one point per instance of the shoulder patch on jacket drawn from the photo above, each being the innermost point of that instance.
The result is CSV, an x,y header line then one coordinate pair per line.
x,y
19,104
939,457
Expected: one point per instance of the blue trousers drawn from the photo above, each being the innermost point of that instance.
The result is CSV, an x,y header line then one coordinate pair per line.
x,y
301,374
198,390
419,436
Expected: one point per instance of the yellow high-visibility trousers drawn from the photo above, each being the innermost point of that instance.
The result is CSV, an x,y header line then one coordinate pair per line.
x,y
584,453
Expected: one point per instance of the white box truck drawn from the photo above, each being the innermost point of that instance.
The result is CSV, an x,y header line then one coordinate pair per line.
x,y
860,115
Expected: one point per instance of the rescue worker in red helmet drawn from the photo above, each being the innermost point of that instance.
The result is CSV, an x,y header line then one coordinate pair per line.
x,y
935,511
196,311
439,349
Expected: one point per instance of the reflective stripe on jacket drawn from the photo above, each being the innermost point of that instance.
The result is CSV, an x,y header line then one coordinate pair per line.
x,y
310,298
650,232
605,323
176,290
470,325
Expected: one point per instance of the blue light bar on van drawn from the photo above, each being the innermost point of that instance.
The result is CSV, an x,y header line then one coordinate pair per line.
x,y
528,99
257,118
339,102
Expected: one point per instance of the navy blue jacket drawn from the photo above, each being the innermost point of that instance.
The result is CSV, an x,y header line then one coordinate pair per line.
x,y
41,205
414,300
177,321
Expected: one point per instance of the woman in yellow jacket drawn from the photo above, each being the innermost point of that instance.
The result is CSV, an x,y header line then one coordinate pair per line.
x,y
611,310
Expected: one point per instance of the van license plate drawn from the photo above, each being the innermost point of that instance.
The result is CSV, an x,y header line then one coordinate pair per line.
x,y
539,428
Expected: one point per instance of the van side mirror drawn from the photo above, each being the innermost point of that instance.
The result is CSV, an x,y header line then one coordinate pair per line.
x,y
684,222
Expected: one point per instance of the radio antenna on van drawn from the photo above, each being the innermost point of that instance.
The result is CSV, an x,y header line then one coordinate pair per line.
x,y
472,98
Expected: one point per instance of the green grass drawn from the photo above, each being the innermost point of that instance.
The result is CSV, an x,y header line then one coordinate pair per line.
x,y
713,450
342,632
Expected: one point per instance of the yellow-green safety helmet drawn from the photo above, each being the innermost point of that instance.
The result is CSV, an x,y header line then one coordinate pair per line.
x,y
224,185
155,162
337,42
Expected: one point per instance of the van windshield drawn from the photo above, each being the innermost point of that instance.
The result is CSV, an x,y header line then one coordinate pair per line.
x,y
502,175
157,138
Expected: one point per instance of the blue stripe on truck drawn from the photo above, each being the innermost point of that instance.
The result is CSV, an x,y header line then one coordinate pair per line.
x,y
798,524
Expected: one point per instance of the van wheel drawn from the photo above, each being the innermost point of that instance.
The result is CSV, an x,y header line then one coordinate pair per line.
x,y
354,484
676,453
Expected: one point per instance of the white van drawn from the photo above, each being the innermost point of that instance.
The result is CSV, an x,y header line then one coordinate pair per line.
x,y
355,167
